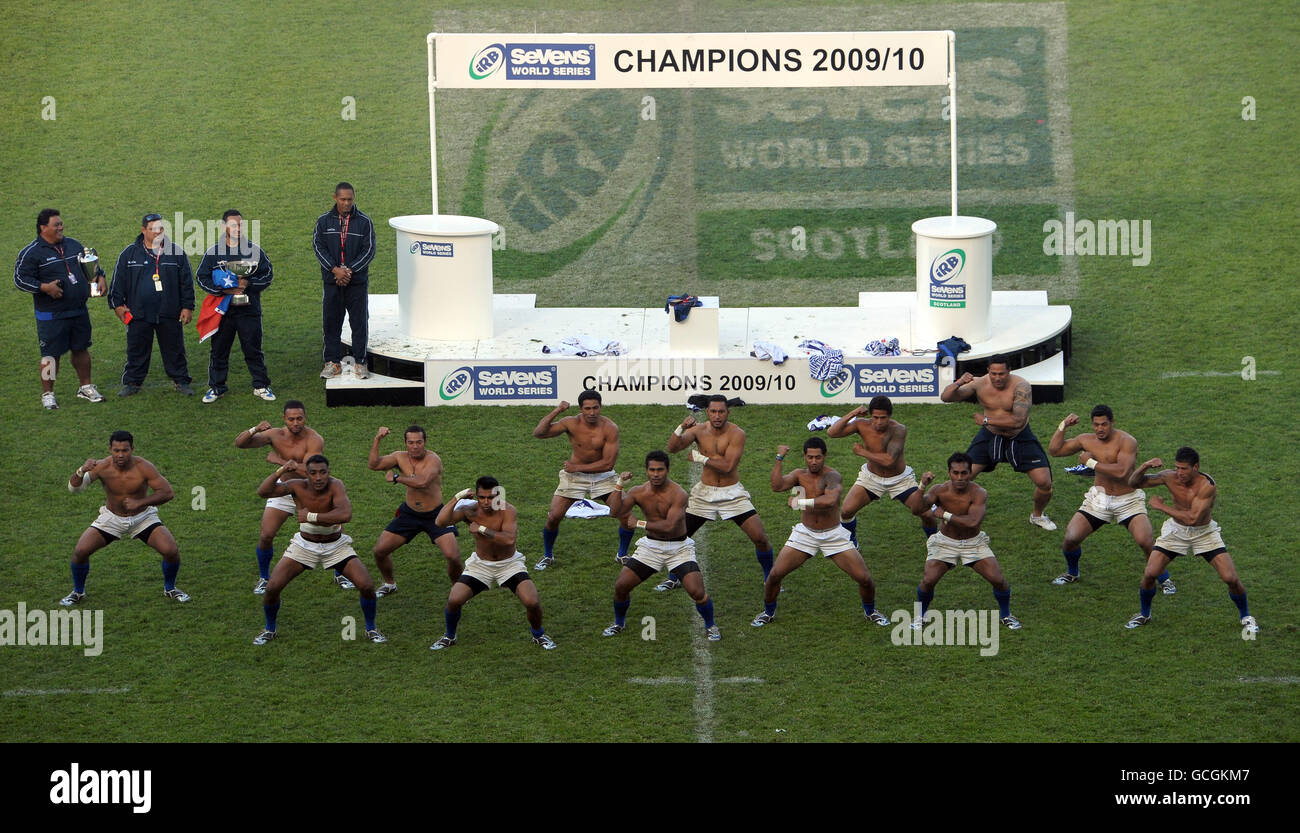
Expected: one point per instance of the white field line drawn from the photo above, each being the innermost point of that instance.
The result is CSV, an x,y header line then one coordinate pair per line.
x,y
46,692
1179,374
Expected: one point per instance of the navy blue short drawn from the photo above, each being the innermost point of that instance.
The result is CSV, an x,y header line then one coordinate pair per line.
x,y
59,335
408,523
1023,451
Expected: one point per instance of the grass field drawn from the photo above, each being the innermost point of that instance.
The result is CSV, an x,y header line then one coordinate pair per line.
x,y
1128,110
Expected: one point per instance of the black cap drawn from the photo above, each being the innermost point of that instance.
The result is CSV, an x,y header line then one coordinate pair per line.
x,y
149,218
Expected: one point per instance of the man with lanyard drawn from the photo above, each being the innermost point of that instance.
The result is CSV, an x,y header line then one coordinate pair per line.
x,y
344,244
48,268
153,293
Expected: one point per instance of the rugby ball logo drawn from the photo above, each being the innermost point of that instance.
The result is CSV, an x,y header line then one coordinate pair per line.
x,y
486,61
455,383
947,266
841,383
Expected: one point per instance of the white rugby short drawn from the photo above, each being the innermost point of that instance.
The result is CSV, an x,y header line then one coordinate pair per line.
x,y
313,555
1177,539
126,526
829,542
658,555
580,485
284,504
957,551
888,486
717,503
1113,509
495,572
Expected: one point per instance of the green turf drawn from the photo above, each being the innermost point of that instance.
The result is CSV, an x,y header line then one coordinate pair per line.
x,y
169,118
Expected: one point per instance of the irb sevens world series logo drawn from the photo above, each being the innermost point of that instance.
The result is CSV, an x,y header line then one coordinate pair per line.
x,y
945,291
565,171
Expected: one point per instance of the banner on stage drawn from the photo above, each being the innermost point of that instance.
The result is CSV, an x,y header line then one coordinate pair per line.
x,y
730,59
626,380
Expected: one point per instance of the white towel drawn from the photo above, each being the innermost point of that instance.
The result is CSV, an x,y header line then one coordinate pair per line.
x,y
584,345
764,350
587,509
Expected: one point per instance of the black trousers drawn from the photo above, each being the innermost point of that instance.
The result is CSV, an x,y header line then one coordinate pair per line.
x,y
354,300
139,350
249,329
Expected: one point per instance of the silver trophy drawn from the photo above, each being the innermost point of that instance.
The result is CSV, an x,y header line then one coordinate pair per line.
x,y
89,260
240,269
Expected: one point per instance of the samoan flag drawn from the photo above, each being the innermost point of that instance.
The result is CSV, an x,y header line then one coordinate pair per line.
x,y
215,306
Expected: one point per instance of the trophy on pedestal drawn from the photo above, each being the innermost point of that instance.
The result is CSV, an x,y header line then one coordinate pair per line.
x,y
240,269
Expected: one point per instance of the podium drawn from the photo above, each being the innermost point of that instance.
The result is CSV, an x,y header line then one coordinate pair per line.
x,y
444,276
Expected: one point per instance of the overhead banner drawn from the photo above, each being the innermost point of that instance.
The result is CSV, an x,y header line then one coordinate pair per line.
x,y
731,59
658,381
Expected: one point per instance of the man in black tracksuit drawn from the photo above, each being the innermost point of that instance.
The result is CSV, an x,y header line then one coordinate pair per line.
x,y
244,320
344,244
153,293
49,269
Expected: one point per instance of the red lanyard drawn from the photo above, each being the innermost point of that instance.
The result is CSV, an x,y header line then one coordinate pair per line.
x,y
157,261
343,237
64,260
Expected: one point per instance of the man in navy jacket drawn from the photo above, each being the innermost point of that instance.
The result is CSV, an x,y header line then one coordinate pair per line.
x,y
48,268
242,319
344,244
153,293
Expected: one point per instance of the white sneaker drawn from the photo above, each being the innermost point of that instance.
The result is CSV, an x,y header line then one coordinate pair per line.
x,y
1249,624
211,396
361,371
48,402
264,393
331,370
1043,521
90,393
385,590
344,583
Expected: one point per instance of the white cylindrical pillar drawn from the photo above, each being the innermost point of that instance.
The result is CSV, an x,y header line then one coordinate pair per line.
x,y
954,279
444,276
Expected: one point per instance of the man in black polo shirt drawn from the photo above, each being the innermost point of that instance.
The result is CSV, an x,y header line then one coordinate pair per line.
x,y
344,244
153,293
48,268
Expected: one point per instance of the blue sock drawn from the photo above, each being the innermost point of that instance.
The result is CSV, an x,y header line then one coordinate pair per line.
x,y
536,632
706,613
1004,601
548,541
1145,596
852,527
452,619
1163,577
624,541
1240,602
764,560
769,608
868,608
673,576
337,571
170,569
79,573
271,612
264,562
368,610
924,598
620,612
929,530
1072,560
